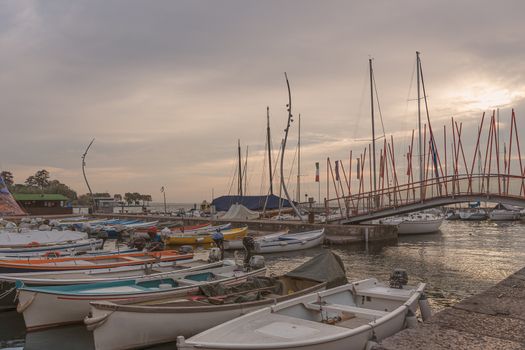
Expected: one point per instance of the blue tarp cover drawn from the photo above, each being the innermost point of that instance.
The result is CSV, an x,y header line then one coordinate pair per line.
x,y
224,203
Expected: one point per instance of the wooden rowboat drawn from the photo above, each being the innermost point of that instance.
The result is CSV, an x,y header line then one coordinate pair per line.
x,y
159,320
90,262
206,238
123,273
49,306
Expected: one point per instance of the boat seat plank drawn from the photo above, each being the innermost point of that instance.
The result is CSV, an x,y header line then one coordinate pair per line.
x,y
385,293
358,311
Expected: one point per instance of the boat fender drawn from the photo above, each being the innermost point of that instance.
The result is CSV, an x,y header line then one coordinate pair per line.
x,y
93,323
32,244
424,307
411,319
20,308
371,345
181,343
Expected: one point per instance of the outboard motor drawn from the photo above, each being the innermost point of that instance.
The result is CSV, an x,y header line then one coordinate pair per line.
x,y
215,255
137,243
257,262
103,235
398,278
218,239
249,245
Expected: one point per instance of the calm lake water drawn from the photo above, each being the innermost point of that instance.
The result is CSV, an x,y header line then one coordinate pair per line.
x,y
463,259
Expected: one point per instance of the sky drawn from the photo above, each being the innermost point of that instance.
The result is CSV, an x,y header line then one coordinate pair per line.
x,y
167,88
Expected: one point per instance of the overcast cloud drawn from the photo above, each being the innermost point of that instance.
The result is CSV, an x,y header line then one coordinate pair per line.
x,y
167,87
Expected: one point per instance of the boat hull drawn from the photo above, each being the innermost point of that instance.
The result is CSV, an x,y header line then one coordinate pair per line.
x,y
504,216
90,262
419,227
234,234
165,323
268,329
47,309
279,245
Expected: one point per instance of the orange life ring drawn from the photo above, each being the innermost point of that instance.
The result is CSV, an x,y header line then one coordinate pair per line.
x,y
32,244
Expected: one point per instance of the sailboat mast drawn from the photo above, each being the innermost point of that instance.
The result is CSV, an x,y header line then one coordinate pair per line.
x,y
283,182
240,167
420,146
245,173
299,163
269,147
373,122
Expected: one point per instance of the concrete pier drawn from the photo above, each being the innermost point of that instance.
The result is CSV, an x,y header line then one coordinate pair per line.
x,y
335,234
494,319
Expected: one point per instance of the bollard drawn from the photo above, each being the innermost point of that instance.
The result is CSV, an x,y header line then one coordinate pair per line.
x,y
424,307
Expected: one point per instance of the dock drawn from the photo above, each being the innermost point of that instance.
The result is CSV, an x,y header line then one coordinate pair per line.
x,y
493,319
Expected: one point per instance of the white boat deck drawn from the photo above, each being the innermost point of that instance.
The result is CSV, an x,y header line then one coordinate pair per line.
x,y
388,293
268,329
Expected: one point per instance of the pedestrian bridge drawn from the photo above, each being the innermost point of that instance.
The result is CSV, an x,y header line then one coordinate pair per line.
x,y
431,193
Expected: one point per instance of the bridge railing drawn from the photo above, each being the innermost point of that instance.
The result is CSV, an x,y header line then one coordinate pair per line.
x,y
396,196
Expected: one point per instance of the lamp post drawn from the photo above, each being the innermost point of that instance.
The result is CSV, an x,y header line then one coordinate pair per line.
x,y
164,194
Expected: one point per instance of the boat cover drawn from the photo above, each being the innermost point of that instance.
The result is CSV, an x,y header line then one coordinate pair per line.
x,y
224,203
503,206
240,212
325,267
8,205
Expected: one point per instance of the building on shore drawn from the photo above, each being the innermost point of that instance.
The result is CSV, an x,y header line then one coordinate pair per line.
x,y
43,203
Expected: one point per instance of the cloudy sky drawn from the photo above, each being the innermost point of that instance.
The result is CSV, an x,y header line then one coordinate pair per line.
x,y
167,87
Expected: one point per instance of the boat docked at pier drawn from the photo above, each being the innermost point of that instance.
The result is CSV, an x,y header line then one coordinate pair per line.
x,y
473,215
48,306
416,223
205,237
161,320
352,317
124,273
90,262
503,212
289,242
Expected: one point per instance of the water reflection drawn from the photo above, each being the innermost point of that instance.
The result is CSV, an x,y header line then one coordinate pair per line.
x,y
463,259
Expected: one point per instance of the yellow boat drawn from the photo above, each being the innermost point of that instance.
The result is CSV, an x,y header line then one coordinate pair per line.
x,y
205,238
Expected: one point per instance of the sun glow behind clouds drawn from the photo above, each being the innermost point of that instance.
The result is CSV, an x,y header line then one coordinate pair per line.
x,y
486,96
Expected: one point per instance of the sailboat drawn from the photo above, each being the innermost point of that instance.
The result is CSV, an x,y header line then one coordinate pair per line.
x,y
419,222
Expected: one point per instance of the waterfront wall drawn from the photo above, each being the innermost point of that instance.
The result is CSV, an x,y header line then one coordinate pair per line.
x,y
493,319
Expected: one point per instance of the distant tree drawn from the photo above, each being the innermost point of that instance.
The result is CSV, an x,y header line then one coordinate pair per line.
x,y
84,199
128,197
146,198
56,186
102,194
117,197
40,179
8,178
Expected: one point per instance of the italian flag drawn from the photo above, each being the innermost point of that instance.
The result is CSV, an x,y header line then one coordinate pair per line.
x,y
317,172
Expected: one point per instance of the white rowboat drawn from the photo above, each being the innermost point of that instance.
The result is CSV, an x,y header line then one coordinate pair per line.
x,y
290,242
346,317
